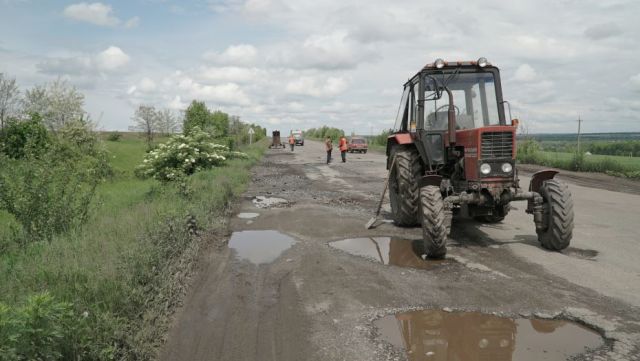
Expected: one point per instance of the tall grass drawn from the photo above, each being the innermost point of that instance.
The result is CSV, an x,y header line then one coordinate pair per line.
x,y
122,274
530,151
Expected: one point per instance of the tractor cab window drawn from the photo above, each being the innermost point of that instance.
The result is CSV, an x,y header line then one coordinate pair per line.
x,y
474,99
401,118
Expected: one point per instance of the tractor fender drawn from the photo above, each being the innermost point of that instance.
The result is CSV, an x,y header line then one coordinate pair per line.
x,y
397,139
539,177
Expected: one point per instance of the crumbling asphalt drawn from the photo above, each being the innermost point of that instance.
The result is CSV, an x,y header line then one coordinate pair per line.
x,y
315,302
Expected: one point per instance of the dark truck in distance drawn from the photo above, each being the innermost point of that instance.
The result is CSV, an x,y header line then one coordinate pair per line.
x,y
298,136
357,144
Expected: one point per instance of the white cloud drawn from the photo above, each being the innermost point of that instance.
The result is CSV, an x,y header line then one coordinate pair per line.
x,y
132,23
177,104
98,14
332,51
525,73
111,58
316,86
242,54
230,74
94,13
146,85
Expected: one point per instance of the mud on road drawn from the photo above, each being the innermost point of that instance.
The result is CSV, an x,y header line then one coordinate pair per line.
x,y
295,292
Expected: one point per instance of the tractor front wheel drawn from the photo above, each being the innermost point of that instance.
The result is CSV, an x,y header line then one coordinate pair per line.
x,y
557,215
403,185
436,222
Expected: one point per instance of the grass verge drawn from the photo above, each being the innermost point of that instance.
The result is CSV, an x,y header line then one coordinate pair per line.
x,y
613,165
115,281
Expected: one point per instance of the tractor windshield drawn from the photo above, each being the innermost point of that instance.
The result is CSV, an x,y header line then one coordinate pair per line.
x,y
474,97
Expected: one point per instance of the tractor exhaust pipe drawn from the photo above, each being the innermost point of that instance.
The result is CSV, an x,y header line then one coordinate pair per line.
x,y
451,118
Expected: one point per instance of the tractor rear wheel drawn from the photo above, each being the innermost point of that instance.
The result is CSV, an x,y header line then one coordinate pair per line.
x,y
436,221
557,215
403,185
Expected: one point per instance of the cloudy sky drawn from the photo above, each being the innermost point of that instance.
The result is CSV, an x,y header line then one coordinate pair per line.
x,y
304,63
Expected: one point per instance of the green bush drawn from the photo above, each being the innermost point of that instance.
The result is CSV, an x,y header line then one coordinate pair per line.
x,y
184,155
19,138
114,137
42,329
47,196
49,191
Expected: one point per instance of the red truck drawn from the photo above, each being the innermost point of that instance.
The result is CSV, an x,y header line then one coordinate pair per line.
x,y
357,145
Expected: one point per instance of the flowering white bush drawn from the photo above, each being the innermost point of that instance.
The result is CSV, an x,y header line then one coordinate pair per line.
x,y
185,155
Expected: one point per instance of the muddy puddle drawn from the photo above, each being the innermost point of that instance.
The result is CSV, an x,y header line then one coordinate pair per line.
x,y
260,247
389,251
449,336
269,202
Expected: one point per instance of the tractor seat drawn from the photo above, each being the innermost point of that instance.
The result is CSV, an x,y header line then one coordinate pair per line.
x,y
439,121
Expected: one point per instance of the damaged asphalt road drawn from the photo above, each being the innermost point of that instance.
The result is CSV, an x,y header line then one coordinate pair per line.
x,y
298,297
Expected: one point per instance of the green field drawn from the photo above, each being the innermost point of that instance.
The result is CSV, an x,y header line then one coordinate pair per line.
x,y
631,163
130,262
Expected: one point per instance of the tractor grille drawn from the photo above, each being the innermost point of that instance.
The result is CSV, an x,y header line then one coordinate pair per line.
x,y
497,145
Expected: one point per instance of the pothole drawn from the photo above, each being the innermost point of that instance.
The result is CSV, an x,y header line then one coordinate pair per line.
x,y
588,254
389,251
440,335
260,247
269,202
248,215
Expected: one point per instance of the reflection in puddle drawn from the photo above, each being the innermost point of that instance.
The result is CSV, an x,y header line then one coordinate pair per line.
x,y
388,250
443,336
248,215
260,246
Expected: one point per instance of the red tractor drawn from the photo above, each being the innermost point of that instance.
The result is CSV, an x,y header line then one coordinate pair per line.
x,y
452,147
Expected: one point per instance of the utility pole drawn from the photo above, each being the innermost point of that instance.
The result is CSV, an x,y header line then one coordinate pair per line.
x,y
579,124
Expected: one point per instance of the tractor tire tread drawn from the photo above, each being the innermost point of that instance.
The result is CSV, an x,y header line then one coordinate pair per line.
x,y
405,203
436,222
559,213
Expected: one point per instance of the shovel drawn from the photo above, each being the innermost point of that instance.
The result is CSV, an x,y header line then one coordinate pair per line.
x,y
373,220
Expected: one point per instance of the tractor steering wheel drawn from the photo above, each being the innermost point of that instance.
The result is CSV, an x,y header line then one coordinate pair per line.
x,y
447,106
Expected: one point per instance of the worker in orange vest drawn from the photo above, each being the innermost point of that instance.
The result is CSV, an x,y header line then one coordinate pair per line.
x,y
292,141
343,148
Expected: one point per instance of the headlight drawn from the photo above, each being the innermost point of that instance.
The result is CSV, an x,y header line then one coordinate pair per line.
x,y
485,168
439,63
507,168
482,62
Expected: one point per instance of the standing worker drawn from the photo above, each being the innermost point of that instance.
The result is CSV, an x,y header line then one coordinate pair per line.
x,y
292,141
328,147
343,148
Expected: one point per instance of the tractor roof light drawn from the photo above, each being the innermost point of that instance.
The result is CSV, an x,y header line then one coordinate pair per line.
x,y
439,63
482,62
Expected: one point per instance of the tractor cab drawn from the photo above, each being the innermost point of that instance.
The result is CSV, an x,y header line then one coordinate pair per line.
x,y
453,112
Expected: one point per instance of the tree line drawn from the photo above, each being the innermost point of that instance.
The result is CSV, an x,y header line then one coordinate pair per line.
x,y
152,122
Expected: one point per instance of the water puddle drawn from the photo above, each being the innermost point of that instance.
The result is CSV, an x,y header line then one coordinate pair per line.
x,y
449,336
248,215
389,251
259,247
